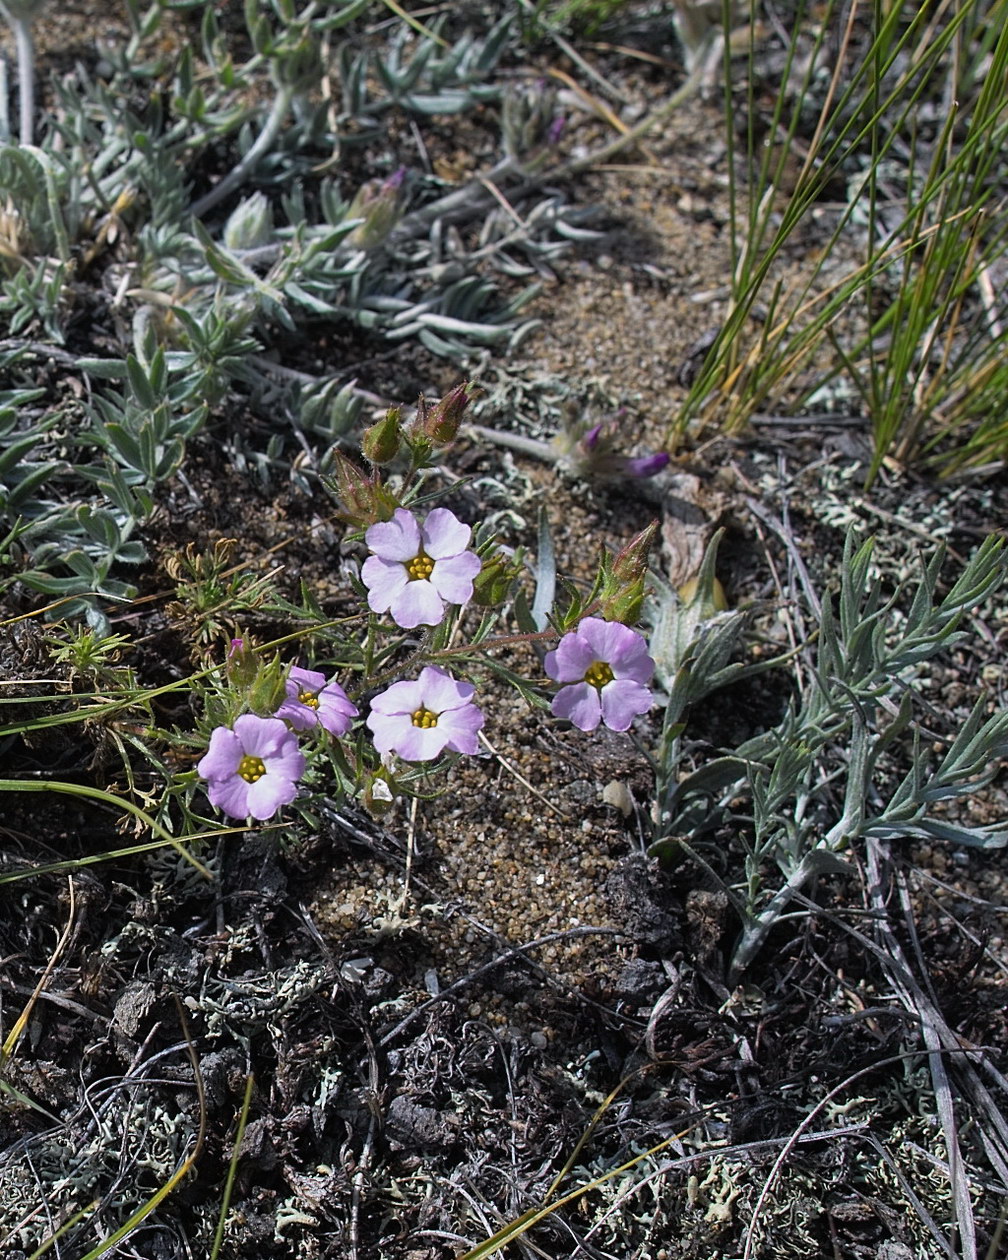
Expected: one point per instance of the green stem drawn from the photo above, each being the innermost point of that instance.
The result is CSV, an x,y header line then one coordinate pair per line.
x,y
107,798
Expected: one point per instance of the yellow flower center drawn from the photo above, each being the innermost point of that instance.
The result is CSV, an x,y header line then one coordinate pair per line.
x,y
598,674
251,769
420,567
424,718
309,698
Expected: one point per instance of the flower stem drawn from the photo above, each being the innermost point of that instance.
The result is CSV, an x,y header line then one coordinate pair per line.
x,y
516,442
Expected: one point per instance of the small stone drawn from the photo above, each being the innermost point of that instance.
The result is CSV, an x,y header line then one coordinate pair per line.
x,y
617,794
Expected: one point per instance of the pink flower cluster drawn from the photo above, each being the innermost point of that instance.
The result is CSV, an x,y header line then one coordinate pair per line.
x,y
414,570
252,769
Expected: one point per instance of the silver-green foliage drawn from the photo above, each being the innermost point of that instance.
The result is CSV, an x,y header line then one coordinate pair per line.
x,y
106,200
848,759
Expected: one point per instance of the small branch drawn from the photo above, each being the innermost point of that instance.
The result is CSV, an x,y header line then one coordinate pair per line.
x,y
235,178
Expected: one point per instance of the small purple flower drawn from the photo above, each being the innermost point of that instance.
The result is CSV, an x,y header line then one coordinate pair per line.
x,y
311,701
608,669
646,465
419,720
415,570
597,451
253,769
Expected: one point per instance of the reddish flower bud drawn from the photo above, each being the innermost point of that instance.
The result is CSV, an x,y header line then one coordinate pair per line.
x,y
364,500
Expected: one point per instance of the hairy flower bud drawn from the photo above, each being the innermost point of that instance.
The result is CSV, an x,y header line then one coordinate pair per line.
x,y
440,423
250,224
242,663
364,500
379,795
528,120
492,584
381,441
623,578
594,451
378,203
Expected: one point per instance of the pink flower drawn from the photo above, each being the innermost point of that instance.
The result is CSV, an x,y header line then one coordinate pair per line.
x,y
608,668
419,720
252,770
416,570
311,701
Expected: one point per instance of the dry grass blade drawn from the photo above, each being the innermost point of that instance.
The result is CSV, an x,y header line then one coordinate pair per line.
x,y
14,1036
107,798
939,1040
514,1230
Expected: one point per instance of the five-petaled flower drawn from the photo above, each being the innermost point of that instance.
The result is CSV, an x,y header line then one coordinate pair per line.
x,y
415,570
311,701
419,720
253,769
607,668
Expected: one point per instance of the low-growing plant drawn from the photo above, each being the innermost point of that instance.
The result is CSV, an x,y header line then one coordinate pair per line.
x,y
407,655
848,761
207,287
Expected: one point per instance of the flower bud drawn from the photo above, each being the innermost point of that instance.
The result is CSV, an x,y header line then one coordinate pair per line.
x,y
378,203
595,451
528,119
364,500
380,442
250,224
379,796
242,664
268,689
493,583
440,423
623,578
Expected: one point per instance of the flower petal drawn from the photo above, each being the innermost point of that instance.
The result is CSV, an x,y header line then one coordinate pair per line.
x,y
603,637
301,716
401,697
222,757
444,534
579,704
417,604
453,578
299,680
335,711
267,794
230,795
384,580
440,692
397,539
462,726
570,660
622,701
418,743
262,737
285,762
631,658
